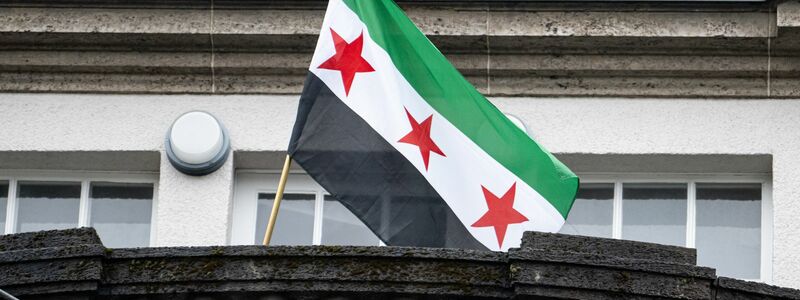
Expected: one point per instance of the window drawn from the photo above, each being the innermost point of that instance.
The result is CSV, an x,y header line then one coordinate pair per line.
x,y
295,224
3,203
308,215
121,213
46,205
654,212
729,227
118,206
726,218
591,213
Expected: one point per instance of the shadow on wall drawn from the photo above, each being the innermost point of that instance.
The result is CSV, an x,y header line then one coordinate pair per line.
x,y
125,161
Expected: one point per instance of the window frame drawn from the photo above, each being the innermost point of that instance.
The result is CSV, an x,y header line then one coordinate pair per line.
x,y
691,180
316,235
85,178
306,185
248,184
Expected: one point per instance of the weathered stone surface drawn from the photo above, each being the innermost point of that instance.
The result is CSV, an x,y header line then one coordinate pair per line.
x,y
453,21
554,265
58,262
512,48
48,239
734,289
72,264
610,248
57,270
788,14
528,276
310,269
612,261
612,23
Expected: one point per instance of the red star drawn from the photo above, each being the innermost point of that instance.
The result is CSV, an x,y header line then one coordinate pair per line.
x,y
420,135
347,59
501,213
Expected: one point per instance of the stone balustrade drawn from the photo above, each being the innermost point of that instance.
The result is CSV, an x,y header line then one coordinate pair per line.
x,y
73,264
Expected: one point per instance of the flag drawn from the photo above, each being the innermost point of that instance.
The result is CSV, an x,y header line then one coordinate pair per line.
x,y
395,133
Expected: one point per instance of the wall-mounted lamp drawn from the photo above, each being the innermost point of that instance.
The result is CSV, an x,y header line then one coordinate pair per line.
x,y
197,143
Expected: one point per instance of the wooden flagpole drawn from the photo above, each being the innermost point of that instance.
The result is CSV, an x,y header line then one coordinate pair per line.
x,y
278,197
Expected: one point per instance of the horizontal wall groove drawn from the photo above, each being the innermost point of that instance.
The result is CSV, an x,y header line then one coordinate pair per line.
x,y
607,50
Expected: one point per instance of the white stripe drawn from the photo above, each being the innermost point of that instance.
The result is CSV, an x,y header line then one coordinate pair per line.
x,y
380,98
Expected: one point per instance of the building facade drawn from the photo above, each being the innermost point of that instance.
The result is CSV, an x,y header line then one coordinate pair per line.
x,y
681,118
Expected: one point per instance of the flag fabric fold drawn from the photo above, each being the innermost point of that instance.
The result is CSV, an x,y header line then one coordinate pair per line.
x,y
395,133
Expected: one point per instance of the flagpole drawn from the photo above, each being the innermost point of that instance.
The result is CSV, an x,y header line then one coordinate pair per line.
x,y
278,197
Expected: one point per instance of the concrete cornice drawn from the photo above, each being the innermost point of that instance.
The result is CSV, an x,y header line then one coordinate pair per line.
x,y
504,48
574,5
432,21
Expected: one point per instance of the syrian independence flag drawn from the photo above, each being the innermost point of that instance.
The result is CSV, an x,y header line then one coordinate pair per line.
x,y
394,132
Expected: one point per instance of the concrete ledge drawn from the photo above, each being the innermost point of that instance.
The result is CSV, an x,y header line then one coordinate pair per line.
x,y
552,265
308,269
602,247
260,160
48,239
127,161
512,48
438,21
729,288
667,163
51,262
788,14
71,264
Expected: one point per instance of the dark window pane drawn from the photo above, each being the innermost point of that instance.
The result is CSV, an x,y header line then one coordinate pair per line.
x,y
295,224
654,212
3,205
728,235
48,205
121,213
342,227
592,212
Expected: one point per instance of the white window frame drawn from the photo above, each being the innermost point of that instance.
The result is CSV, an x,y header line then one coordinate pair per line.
x,y
247,187
690,179
85,178
249,183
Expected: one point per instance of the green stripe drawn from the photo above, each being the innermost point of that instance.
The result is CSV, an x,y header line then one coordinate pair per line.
x,y
447,91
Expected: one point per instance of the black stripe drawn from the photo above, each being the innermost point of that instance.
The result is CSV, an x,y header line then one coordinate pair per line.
x,y
368,176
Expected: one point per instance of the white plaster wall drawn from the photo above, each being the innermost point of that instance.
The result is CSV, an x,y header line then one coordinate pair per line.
x,y
193,211
189,210
51,122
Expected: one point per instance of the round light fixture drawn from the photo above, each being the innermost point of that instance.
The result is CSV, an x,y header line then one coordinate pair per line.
x,y
197,143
